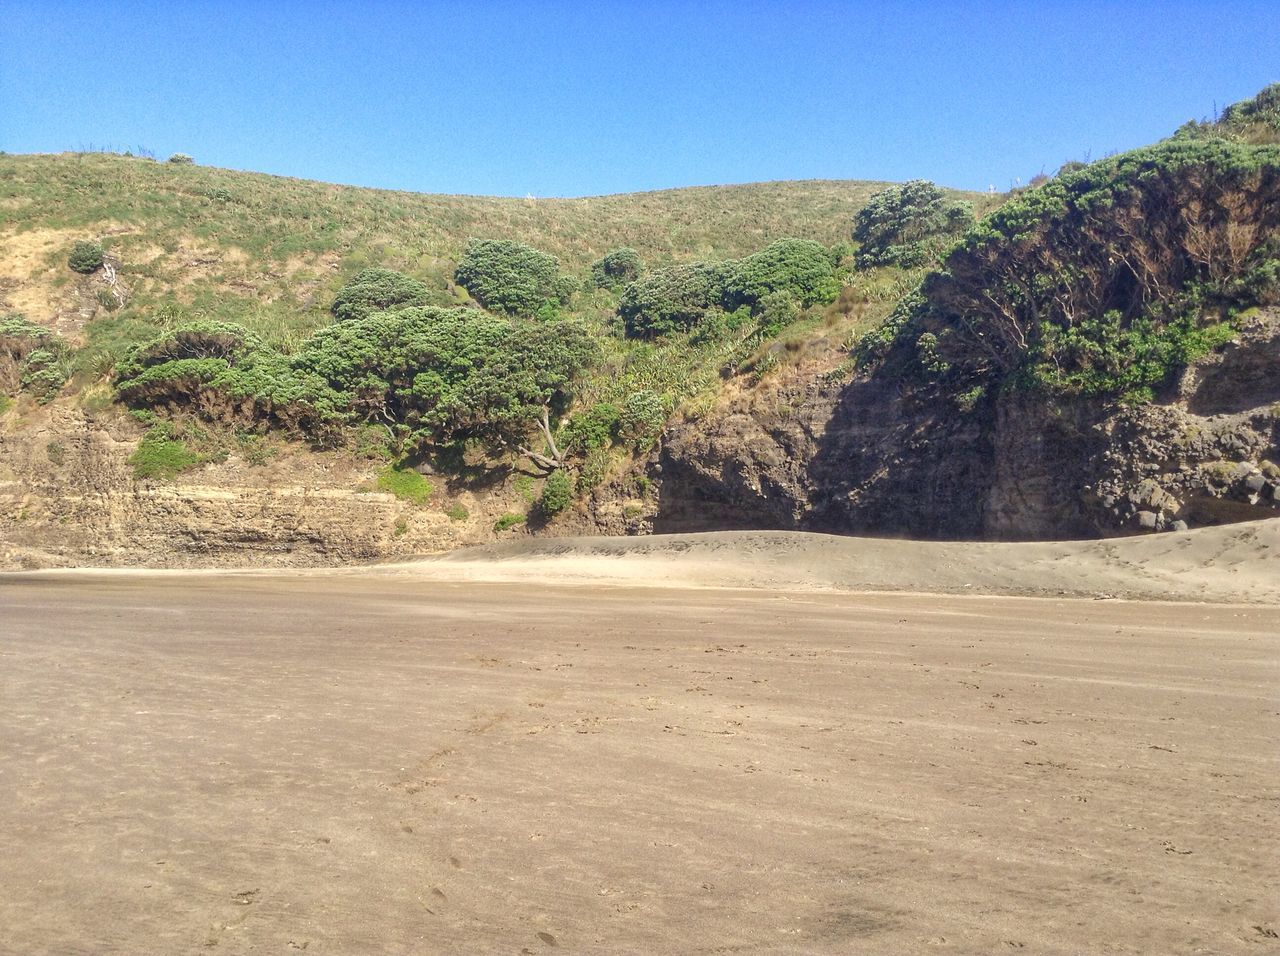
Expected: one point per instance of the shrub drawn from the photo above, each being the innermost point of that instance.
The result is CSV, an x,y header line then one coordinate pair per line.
x,y
907,225
801,268
776,311
508,520
669,300
457,512
191,340
86,257
161,455
181,159
32,359
46,370
377,290
507,276
557,493
616,268
221,372
594,427
642,418
405,483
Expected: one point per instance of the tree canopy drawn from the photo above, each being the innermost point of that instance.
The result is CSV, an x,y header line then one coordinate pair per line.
x,y
510,277
376,290
907,225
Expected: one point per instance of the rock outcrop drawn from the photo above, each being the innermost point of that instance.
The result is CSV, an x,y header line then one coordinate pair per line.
x,y
68,497
878,456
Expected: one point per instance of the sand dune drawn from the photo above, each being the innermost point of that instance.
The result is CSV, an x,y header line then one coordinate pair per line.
x,y
1234,563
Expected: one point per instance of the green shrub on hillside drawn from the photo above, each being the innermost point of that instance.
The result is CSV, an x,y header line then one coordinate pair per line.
x,y
377,290
1107,279
181,159
907,225
673,299
433,375
595,427
191,340
32,359
801,268
616,268
643,416
507,276
776,311
700,294
86,257
221,372
444,374
557,493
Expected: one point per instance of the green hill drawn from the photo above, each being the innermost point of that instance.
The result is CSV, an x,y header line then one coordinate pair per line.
x,y
271,252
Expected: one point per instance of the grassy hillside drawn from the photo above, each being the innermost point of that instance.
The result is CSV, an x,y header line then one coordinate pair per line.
x,y
271,252
272,308
169,244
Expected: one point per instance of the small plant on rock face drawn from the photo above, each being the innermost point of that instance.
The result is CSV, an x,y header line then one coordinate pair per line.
x,y
86,257
508,520
405,483
557,493
162,455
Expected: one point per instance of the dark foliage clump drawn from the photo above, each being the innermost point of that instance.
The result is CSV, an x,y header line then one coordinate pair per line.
x,y
377,290
616,268
86,257
908,225
510,277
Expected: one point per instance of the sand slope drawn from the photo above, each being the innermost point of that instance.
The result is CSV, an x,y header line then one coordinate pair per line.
x,y
1233,563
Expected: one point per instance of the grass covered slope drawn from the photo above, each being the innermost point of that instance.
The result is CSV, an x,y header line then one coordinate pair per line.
x,y
270,252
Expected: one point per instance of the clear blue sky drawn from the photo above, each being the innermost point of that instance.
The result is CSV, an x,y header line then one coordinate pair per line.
x,y
570,99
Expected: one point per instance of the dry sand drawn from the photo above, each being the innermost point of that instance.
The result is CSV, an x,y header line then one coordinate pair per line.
x,y
413,760
1233,563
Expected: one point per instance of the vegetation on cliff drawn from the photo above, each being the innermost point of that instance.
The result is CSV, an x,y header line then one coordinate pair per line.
x,y
1104,281
566,334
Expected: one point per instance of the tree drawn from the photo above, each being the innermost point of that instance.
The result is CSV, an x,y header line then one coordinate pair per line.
x,y
670,300
616,268
376,290
438,375
907,225
800,268
507,276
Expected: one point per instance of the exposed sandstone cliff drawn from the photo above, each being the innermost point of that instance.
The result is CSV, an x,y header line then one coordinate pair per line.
x,y
874,455
867,456
68,496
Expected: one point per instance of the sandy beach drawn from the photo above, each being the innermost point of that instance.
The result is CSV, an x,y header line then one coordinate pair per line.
x,y
567,752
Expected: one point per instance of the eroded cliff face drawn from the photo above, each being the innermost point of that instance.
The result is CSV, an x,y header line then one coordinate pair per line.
x,y
68,497
802,451
878,456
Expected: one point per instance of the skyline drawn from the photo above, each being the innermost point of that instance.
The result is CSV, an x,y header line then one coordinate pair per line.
x,y
555,99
